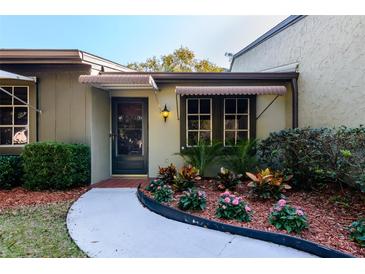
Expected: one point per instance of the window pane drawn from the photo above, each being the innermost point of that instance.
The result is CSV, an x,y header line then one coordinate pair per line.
x,y
5,99
242,121
229,138
5,135
130,141
205,136
192,138
242,135
193,122
192,106
204,105
129,115
21,93
6,114
21,116
205,122
230,121
242,106
20,136
230,106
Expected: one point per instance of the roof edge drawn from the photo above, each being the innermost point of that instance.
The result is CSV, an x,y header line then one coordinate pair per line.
x,y
291,20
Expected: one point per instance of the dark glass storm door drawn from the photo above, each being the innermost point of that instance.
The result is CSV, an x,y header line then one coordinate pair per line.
x,y
129,135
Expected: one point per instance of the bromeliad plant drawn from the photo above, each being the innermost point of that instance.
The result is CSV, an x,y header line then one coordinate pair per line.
x,y
357,232
186,178
167,174
193,199
233,207
163,194
268,184
154,184
227,179
286,217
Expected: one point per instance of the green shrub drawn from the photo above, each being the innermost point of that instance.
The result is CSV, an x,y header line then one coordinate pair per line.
x,y
317,156
286,217
357,232
193,199
11,171
51,165
163,194
154,184
226,179
232,207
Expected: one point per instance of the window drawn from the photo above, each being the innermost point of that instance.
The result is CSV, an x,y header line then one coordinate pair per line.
x,y
198,121
236,120
14,116
228,119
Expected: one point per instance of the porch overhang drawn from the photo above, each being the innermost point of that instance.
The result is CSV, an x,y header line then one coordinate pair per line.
x,y
119,81
12,76
230,90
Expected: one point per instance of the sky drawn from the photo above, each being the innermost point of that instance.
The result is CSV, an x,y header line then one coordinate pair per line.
x,y
126,39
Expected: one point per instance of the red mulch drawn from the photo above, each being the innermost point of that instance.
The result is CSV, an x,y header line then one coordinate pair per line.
x,y
21,197
327,219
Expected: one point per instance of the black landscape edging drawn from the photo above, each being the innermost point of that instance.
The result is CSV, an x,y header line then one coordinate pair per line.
x,y
277,238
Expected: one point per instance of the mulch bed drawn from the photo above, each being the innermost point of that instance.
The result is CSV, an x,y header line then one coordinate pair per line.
x,y
18,197
327,219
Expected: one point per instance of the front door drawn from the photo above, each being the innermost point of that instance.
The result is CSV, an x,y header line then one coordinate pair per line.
x,y
129,135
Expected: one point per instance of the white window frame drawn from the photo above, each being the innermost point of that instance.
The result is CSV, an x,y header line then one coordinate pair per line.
x,y
235,130
13,126
210,114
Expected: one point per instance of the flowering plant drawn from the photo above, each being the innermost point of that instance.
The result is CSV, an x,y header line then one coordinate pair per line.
x,y
167,174
267,184
193,199
227,179
163,194
152,186
234,207
286,217
357,232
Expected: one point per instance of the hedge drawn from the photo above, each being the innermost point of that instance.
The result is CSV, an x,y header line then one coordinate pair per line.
x,y
317,156
11,171
56,166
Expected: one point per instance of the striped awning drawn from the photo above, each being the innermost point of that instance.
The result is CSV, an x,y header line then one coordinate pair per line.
x,y
230,90
119,81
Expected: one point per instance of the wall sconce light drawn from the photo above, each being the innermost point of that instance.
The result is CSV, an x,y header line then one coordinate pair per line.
x,y
165,113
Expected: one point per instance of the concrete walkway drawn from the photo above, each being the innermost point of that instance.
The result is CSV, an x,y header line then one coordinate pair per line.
x,y
109,223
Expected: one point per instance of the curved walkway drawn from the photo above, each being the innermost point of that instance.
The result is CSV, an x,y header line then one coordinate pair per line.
x,y
107,223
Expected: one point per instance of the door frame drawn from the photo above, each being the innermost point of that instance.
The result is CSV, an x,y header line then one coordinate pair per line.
x,y
114,99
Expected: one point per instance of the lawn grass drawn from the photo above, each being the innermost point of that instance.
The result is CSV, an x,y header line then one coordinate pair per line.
x,y
37,231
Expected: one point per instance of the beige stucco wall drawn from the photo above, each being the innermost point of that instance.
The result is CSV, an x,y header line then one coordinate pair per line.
x,y
331,55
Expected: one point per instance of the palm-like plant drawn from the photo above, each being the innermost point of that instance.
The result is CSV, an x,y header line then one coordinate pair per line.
x,y
240,158
202,155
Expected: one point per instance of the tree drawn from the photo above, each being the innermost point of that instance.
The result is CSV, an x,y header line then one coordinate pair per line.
x,y
181,60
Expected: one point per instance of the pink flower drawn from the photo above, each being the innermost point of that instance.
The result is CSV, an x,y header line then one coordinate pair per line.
x,y
227,200
235,201
200,193
158,187
281,202
300,212
224,207
151,185
247,208
155,180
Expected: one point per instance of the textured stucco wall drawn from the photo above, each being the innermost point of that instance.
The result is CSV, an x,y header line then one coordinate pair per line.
x,y
331,55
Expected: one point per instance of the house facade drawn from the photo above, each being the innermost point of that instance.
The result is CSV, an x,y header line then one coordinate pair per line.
x,y
76,97
329,54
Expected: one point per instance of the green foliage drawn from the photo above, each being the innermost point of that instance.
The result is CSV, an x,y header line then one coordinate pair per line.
x,y
181,60
286,217
51,165
193,199
167,174
154,184
241,157
357,232
226,179
268,184
185,178
202,155
163,194
11,171
317,157
233,207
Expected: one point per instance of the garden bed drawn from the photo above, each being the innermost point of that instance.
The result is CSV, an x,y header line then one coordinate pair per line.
x,y
328,214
